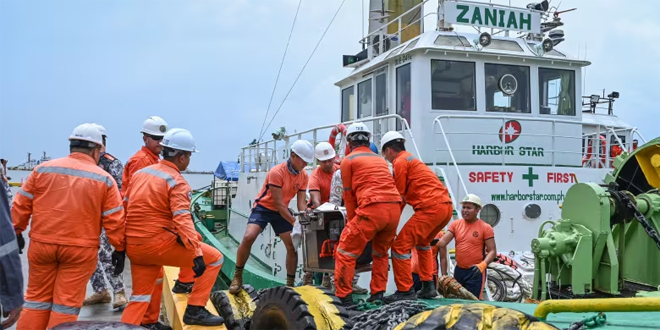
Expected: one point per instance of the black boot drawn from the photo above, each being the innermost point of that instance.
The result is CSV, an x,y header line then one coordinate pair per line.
x,y
198,315
181,287
376,296
347,301
398,295
428,290
156,326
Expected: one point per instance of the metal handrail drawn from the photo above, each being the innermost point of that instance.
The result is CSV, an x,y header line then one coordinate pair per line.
x,y
261,145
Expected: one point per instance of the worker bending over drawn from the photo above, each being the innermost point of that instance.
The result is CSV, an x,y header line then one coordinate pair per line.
x,y
421,189
372,213
104,265
475,246
283,182
69,199
160,232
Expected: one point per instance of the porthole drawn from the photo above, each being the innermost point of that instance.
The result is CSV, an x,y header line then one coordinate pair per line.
x,y
490,214
532,211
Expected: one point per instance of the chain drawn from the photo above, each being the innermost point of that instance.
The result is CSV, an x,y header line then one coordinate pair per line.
x,y
645,224
388,316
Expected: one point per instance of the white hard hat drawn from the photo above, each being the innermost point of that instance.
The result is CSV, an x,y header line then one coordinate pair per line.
x,y
357,128
389,137
304,150
101,129
179,139
472,198
155,126
324,151
87,132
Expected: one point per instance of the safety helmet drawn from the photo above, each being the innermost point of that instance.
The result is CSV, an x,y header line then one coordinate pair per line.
x,y
101,129
472,198
179,139
87,132
155,126
389,137
356,128
324,151
304,150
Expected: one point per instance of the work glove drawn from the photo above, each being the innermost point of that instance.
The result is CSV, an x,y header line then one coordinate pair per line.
x,y
21,243
481,266
118,258
435,241
198,266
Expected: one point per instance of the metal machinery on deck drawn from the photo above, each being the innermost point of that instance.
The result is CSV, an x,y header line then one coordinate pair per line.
x,y
606,243
321,230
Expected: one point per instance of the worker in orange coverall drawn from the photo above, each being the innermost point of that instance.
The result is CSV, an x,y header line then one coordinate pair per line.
x,y
160,232
372,210
421,189
69,199
153,130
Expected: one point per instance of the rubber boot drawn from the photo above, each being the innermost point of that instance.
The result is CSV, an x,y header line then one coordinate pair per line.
x,y
237,283
182,287
102,297
156,326
376,296
308,278
198,315
347,301
398,296
428,290
119,300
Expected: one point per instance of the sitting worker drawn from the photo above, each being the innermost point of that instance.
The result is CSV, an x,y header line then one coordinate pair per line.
x,y
66,202
436,251
160,232
283,182
421,189
372,212
475,246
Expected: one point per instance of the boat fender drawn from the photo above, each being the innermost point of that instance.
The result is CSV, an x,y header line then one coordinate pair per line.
x,y
235,309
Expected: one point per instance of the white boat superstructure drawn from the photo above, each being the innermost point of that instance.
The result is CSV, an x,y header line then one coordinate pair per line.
x,y
494,115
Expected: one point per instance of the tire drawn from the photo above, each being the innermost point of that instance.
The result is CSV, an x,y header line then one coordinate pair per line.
x,y
235,309
301,308
474,316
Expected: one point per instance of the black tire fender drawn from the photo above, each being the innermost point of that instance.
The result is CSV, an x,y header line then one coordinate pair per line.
x,y
474,316
235,309
301,308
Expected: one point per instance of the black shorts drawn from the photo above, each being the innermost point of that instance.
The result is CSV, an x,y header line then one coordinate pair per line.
x,y
262,216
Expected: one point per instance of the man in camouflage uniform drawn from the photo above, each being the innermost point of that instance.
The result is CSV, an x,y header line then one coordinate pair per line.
x,y
337,198
101,295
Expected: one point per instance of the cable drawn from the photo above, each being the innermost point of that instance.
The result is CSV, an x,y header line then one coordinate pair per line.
x,y
303,68
277,79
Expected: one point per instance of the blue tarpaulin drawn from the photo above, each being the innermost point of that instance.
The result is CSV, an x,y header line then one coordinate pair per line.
x,y
228,171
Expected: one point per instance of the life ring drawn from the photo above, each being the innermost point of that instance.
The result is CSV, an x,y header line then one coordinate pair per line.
x,y
340,128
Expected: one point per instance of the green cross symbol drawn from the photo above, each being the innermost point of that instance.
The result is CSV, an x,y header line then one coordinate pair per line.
x,y
530,177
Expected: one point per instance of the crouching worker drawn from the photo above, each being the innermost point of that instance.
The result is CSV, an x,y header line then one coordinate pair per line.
x,y
283,182
473,239
436,251
160,232
421,189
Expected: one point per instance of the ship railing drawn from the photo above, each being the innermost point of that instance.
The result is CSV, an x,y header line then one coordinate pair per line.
x,y
384,37
602,158
262,156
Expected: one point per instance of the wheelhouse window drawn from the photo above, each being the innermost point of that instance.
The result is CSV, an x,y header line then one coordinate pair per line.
x,y
453,85
557,92
507,88
347,104
365,106
381,92
403,94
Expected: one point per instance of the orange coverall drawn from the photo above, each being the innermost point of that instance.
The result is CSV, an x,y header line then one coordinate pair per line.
x,y
373,212
69,200
143,158
422,189
158,212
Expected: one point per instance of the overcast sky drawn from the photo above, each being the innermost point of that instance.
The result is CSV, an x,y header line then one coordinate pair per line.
x,y
210,66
